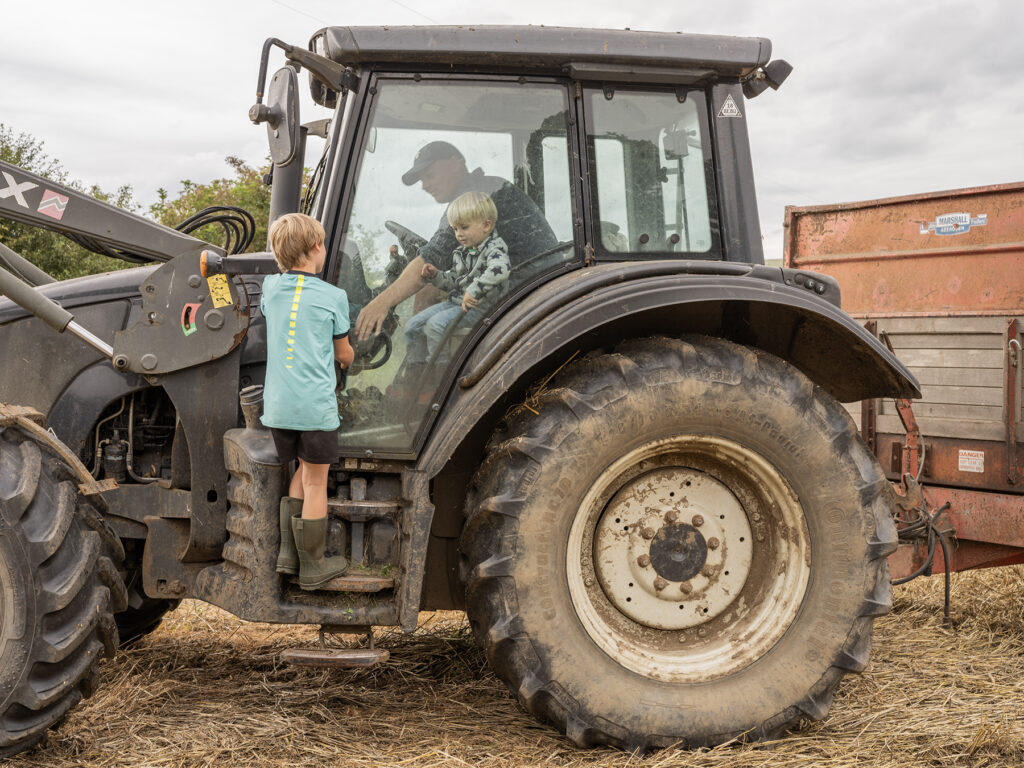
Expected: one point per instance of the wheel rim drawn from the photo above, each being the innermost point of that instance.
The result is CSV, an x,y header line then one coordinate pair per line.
x,y
688,558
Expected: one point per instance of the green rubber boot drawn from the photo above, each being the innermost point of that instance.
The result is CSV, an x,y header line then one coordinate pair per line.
x,y
315,570
288,558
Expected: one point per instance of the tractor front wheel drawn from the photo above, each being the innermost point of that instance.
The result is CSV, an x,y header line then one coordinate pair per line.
x,y
59,590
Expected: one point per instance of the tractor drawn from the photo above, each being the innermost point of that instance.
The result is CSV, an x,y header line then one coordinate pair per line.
x,y
634,473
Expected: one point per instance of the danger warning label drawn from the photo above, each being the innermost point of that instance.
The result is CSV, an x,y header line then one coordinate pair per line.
x,y
972,461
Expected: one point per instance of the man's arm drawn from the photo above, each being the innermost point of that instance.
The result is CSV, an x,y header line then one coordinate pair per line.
x,y
343,352
372,316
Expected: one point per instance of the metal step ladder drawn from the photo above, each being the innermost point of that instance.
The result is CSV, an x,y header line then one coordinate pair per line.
x,y
359,510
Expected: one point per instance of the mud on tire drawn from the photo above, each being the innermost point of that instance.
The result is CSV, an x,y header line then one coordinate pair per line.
x,y
681,541
59,589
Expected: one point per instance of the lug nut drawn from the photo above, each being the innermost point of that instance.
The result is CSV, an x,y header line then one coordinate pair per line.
x,y
708,572
671,516
589,582
660,583
713,543
697,521
701,632
647,533
643,561
686,588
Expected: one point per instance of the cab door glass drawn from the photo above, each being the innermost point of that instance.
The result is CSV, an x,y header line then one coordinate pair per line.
x,y
557,197
426,144
651,172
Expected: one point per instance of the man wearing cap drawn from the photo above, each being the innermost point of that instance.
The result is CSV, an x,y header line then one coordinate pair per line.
x,y
441,169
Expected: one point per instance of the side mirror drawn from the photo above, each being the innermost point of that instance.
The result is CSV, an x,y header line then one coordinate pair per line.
x,y
281,114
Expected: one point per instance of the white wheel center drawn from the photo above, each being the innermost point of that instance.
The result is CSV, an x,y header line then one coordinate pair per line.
x,y
672,549
735,536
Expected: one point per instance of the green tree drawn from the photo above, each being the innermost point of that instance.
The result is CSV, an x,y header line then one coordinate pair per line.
x,y
246,190
50,251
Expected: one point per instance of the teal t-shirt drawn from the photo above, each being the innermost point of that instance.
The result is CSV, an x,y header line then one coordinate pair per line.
x,y
304,316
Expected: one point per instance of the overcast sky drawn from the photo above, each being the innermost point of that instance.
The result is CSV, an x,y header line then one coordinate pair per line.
x,y
886,98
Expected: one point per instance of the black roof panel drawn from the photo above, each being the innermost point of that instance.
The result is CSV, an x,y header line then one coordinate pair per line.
x,y
546,48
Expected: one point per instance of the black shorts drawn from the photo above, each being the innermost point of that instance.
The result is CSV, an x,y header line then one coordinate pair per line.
x,y
314,447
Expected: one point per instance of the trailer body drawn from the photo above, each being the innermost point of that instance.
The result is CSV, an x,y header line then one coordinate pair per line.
x,y
941,276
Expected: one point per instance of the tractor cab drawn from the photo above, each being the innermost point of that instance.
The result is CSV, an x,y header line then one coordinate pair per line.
x,y
596,147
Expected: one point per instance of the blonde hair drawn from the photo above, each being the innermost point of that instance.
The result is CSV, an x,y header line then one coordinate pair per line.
x,y
472,206
292,237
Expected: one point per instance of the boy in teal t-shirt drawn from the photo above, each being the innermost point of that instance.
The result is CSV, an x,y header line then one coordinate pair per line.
x,y
307,330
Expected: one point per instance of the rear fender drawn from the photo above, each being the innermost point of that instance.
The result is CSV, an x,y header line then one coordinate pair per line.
x,y
813,335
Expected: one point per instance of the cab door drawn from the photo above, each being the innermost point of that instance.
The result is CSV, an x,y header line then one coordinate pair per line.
x,y
514,139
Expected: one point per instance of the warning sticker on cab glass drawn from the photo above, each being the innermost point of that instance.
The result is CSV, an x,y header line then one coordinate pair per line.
x,y
972,461
220,290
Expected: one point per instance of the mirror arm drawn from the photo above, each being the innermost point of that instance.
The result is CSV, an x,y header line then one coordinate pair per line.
x,y
333,75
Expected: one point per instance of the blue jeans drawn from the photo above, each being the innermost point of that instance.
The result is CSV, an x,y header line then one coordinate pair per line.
x,y
424,331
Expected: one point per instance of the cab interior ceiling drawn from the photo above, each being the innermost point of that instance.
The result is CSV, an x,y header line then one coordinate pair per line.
x,y
494,107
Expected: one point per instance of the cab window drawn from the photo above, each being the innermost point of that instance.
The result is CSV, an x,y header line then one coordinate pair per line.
x,y
651,174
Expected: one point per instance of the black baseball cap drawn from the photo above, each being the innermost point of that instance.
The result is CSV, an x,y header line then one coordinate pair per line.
x,y
429,154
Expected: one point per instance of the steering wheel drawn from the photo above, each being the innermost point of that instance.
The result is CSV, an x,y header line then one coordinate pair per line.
x,y
409,240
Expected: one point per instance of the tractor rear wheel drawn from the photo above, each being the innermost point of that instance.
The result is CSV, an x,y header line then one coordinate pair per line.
x,y
59,590
680,542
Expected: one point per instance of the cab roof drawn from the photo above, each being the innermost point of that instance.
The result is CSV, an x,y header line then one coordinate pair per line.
x,y
594,52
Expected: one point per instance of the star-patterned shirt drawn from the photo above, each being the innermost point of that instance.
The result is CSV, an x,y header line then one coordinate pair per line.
x,y
482,272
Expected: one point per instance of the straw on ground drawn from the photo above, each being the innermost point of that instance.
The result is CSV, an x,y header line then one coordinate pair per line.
x,y
207,689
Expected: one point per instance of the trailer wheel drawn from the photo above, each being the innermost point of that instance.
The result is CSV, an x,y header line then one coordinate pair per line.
x,y
59,589
681,542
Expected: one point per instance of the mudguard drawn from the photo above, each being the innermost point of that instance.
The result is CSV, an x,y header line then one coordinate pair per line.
x,y
791,314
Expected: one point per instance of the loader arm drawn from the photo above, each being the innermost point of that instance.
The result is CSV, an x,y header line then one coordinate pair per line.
x,y
100,227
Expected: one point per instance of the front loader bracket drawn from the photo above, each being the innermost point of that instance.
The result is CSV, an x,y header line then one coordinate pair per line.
x,y
187,320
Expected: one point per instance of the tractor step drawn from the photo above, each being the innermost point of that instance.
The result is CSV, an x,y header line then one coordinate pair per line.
x,y
344,658
354,583
338,658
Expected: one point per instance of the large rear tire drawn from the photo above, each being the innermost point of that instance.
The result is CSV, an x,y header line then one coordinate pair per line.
x,y
59,589
683,541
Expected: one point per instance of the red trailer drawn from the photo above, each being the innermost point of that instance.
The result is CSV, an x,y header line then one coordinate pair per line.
x,y
941,278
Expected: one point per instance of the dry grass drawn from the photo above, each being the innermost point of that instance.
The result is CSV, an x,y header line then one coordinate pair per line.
x,y
208,690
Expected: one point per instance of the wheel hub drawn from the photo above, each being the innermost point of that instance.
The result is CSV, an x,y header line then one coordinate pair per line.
x,y
678,552
673,548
